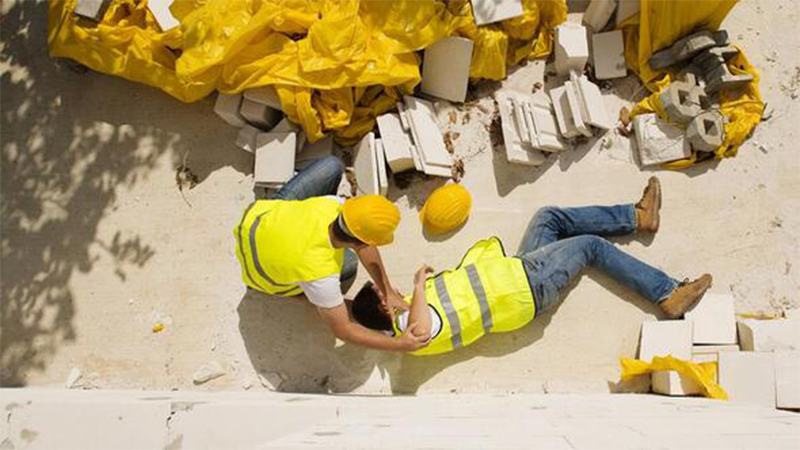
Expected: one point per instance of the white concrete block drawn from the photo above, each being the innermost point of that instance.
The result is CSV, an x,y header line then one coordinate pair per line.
x,y
246,139
769,335
787,379
445,70
593,104
427,136
380,160
566,124
287,126
608,55
266,95
748,377
365,166
260,115
396,142
544,132
227,107
658,141
714,320
160,9
705,357
490,11
89,9
571,48
598,14
666,338
578,108
698,349
626,9
275,153
517,151
670,382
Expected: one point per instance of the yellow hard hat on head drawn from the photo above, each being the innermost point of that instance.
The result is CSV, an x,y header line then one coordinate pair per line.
x,y
446,209
371,218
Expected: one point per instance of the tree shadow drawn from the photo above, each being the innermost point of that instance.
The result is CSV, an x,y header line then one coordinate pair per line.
x,y
71,140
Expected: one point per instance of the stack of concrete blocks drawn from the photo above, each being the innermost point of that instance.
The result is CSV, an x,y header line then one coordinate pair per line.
x,y
687,48
90,9
445,69
228,107
608,55
713,322
430,154
668,338
529,127
369,166
713,64
683,100
274,158
490,11
571,48
598,13
658,141
579,108
160,9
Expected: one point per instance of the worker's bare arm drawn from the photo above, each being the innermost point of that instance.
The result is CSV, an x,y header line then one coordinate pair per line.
x,y
351,332
419,314
370,257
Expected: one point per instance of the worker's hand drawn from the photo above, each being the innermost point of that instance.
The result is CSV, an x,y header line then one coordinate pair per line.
x,y
409,341
422,274
393,300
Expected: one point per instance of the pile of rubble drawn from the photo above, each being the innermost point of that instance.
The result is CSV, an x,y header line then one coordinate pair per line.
x,y
758,361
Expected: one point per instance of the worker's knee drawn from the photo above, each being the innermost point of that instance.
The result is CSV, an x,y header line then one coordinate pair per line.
x,y
333,163
592,245
547,214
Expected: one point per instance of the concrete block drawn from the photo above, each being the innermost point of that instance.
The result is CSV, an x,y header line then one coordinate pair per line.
x,y
287,126
380,161
260,115
721,78
490,11
706,132
608,55
445,70
227,107
365,166
598,14
710,349
748,377
544,130
266,95
713,319
593,104
769,335
246,139
571,48
710,59
658,141
687,47
626,9
396,143
578,109
427,136
787,379
665,338
683,100
705,357
275,153
90,9
670,382
561,107
517,151
160,9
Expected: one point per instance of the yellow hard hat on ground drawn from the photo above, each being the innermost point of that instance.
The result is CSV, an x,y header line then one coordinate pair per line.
x,y
371,218
446,209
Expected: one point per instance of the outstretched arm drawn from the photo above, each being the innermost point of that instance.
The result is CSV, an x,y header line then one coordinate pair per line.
x,y
370,257
351,332
419,317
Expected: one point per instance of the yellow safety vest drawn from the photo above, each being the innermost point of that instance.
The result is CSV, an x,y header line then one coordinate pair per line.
x,y
280,243
487,293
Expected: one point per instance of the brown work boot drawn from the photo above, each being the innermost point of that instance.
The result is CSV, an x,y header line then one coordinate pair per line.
x,y
686,294
647,210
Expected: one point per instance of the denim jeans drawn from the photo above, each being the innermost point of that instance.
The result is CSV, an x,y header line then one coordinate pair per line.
x,y
321,178
560,242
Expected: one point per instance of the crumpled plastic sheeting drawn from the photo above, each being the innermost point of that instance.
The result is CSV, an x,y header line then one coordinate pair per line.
x,y
704,374
658,25
335,64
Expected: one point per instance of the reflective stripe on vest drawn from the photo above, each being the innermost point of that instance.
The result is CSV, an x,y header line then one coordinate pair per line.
x,y
480,294
449,310
254,254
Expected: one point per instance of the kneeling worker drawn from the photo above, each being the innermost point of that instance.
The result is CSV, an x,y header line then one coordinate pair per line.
x,y
302,239
490,292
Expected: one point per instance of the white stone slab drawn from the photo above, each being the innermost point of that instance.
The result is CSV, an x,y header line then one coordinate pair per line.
x,y
596,112
666,338
396,142
787,379
658,141
571,48
246,139
598,14
266,95
670,382
566,124
227,107
260,115
714,319
748,377
576,105
160,9
428,137
89,9
490,11
517,151
608,55
365,166
626,9
545,134
275,153
445,70
769,335
380,160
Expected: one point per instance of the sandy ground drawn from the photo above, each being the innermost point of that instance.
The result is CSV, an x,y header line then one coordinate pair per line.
x,y
98,243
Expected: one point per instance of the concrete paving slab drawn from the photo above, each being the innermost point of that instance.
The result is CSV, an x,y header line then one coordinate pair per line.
x,y
563,111
666,338
396,142
769,335
445,68
748,377
659,142
714,320
608,54
275,153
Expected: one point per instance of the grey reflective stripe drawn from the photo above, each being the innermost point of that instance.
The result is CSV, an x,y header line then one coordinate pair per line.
x,y
241,248
449,311
480,293
253,250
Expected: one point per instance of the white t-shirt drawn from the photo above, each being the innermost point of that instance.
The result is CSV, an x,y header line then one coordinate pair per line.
x,y
325,292
436,321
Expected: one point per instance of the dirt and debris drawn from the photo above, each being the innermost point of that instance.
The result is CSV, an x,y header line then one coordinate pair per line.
x,y
452,117
185,178
624,127
537,87
458,170
466,118
449,137
351,179
792,84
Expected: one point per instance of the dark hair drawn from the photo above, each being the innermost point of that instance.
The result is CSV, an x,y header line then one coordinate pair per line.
x,y
342,236
367,309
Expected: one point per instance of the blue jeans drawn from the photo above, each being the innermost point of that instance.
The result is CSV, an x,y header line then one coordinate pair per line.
x,y
560,242
321,178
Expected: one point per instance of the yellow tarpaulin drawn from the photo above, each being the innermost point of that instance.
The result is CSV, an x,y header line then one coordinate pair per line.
x,y
704,374
335,64
657,26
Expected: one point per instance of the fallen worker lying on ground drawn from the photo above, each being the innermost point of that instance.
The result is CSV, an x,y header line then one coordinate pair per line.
x,y
490,292
302,240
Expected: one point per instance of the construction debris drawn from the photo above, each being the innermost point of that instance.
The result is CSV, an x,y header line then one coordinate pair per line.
x,y
396,142
706,132
274,162
598,14
160,9
380,157
769,335
365,166
491,11
208,372
246,139
72,379
666,338
748,377
227,107
431,154
266,95
659,142
445,70
683,100
608,55
90,9
571,48
687,48
259,114
787,385
529,127
626,9
713,320
670,382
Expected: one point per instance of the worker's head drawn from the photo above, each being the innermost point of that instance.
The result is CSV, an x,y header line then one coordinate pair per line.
x,y
368,311
368,220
